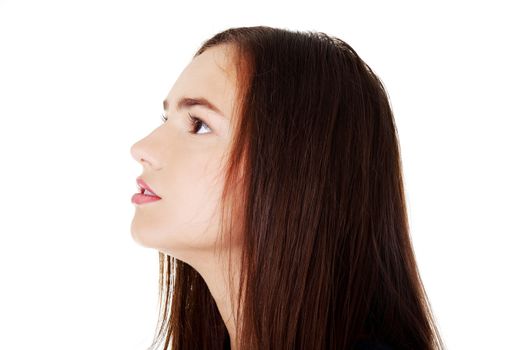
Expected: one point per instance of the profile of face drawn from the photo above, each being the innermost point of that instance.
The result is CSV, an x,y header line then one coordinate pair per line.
x,y
183,160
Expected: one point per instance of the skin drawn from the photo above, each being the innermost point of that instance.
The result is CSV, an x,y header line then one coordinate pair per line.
x,y
186,171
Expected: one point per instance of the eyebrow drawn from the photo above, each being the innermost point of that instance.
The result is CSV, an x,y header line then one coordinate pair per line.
x,y
187,102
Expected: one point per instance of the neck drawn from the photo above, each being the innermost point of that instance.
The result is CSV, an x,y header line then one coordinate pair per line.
x,y
214,271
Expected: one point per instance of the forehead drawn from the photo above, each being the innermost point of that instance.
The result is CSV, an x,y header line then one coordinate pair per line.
x,y
210,75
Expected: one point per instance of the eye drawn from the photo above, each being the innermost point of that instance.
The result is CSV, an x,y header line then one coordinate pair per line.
x,y
196,124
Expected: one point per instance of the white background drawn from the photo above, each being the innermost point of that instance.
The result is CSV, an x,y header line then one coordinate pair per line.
x,y
81,81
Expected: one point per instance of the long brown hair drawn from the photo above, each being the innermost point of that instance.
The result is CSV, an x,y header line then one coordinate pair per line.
x,y
314,185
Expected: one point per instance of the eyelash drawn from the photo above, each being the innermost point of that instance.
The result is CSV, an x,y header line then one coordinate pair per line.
x,y
194,121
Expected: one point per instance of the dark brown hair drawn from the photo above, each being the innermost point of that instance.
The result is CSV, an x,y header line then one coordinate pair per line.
x,y
314,182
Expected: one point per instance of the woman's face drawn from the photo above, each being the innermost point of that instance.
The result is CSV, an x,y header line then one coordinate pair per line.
x,y
183,162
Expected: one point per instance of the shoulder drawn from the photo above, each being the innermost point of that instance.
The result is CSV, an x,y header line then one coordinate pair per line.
x,y
372,345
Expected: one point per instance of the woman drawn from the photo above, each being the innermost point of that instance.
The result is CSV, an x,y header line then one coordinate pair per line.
x,y
279,213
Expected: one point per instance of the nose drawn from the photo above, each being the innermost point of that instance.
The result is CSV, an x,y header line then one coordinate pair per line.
x,y
139,153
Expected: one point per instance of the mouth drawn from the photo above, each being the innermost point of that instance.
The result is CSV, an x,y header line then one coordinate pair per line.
x,y
146,194
145,189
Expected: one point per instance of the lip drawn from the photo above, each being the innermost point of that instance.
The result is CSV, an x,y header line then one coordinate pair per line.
x,y
143,185
139,198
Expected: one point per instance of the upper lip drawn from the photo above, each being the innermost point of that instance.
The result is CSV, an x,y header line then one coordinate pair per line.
x,y
143,185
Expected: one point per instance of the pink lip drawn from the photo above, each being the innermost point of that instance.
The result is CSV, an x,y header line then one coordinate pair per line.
x,y
143,185
139,198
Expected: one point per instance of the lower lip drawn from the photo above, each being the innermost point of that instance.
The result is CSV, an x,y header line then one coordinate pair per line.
x,y
139,198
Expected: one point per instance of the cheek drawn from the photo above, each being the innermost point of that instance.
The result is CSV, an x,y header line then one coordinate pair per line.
x,y
196,189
